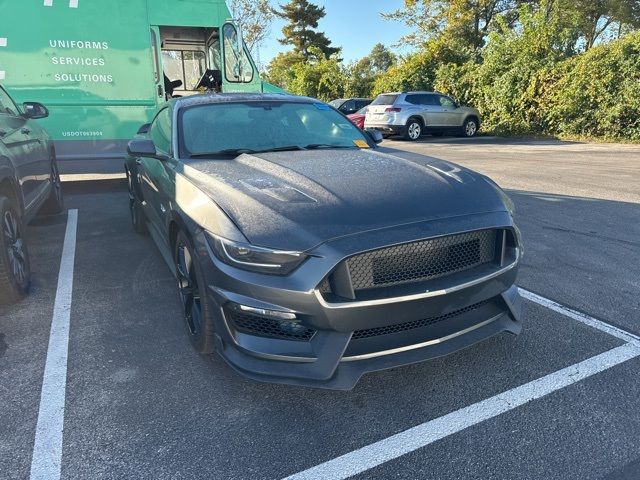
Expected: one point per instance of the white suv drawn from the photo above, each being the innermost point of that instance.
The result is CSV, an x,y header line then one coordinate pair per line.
x,y
411,114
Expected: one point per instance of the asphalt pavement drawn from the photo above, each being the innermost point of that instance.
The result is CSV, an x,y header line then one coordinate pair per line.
x,y
141,404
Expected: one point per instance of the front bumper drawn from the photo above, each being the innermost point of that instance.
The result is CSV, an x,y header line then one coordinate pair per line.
x,y
388,332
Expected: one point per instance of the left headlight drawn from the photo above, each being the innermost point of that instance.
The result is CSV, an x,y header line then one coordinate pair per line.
x,y
254,259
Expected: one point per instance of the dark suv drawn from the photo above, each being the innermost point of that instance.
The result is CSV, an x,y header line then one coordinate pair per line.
x,y
29,183
350,105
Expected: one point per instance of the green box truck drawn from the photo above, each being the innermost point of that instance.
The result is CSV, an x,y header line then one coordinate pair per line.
x,y
102,67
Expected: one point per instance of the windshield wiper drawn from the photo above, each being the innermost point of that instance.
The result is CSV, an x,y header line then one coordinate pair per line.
x,y
315,146
288,148
229,152
235,152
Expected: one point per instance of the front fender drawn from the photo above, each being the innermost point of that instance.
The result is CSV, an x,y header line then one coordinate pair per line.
x,y
7,173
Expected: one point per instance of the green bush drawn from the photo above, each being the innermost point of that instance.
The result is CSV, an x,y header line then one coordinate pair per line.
x,y
528,82
597,93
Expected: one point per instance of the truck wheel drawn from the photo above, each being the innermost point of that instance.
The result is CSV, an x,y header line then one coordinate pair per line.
x,y
15,270
470,127
413,130
55,203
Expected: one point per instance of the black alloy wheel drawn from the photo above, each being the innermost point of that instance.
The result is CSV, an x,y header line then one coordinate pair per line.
x,y
195,308
15,271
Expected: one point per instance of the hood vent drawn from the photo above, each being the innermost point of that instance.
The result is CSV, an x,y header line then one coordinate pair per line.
x,y
280,191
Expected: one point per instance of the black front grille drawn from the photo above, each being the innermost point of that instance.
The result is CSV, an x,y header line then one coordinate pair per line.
x,y
403,327
421,261
267,327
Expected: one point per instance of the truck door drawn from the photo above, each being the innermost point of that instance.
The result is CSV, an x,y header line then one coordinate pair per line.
x,y
158,74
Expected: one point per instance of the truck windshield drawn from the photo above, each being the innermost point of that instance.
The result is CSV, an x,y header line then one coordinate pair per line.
x,y
245,127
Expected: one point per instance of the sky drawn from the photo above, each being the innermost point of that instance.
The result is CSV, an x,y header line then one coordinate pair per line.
x,y
354,25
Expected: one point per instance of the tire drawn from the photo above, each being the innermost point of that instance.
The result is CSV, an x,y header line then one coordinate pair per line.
x,y
196,309
55,203
413,130
15,269
470,127
138,218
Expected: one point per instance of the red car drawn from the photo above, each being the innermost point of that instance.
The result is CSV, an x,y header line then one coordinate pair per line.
x,y
358,118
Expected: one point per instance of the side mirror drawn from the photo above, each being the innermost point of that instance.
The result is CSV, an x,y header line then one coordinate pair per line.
x,y
144,129
141,148
375,135
35,110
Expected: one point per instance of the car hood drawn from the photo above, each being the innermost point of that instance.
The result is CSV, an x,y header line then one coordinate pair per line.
x,y
297,200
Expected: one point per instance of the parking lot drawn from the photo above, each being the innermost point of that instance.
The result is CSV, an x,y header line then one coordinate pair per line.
x,y
560,401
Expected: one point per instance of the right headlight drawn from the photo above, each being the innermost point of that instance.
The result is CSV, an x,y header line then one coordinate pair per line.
x,y
254,259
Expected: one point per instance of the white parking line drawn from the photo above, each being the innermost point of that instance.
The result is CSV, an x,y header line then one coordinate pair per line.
x,y
47,450
420,436
580,317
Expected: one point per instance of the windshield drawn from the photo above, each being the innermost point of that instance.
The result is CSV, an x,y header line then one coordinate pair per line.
x,y
384,100
246,127
337,103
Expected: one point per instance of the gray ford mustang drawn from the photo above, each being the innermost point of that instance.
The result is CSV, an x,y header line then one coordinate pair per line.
x,y
306,254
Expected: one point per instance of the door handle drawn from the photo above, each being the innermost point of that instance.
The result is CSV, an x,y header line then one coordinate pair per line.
x,y
26,131
2,133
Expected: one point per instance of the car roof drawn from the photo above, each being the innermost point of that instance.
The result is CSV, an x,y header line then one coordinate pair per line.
x,y
413,92
216,98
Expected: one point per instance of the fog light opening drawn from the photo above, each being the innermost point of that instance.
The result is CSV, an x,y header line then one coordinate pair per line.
x,y
274,314
293,327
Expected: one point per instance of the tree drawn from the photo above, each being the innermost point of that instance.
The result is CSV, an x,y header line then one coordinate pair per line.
x,y
362,74
254,17
280,70
597,17
319,77
464,24
300,31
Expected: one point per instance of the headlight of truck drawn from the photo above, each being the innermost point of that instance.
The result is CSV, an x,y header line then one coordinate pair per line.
x,y
255,259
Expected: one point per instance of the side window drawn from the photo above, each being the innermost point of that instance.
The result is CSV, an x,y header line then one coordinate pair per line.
x,y
213,53
413,99
348,106
237,66
160,131
430,100
446,102
6,104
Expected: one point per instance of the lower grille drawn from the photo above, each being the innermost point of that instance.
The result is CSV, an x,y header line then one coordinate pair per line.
x,y
421,261
267,327
403,327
